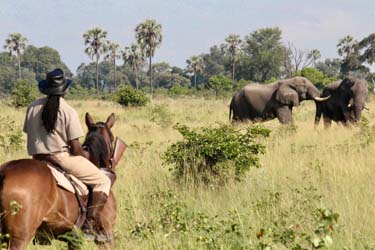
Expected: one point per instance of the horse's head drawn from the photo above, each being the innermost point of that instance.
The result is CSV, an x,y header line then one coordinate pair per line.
x,y
99,141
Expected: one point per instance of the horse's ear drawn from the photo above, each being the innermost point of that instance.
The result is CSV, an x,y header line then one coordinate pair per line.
x,y
111,120
89,120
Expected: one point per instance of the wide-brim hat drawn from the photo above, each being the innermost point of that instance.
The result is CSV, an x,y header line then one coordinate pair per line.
x,y
55,83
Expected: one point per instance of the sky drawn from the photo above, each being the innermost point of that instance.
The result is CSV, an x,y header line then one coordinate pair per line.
x,y
190,27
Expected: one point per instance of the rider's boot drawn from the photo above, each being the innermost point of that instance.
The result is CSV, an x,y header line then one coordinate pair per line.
x,y
93,227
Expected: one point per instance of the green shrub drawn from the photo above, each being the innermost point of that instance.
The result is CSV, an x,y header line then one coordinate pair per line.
x,y
126,95
175,219
78,92
23,93
294,220
178,90
240,84
315,76
10,135
161,115
220,83
297,221
210,154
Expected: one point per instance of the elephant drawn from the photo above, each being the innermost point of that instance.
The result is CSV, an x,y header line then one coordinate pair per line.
x,y
346,103
262,102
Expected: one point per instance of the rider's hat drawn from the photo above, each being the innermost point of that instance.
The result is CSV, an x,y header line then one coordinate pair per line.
x,y
55,83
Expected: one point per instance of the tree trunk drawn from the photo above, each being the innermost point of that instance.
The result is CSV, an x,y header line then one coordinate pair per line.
x,y
97,74
233,71
19,65
114,73
136,78
195,80
150,68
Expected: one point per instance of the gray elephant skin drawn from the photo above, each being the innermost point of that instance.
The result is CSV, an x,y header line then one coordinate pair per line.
x,y
346,103
262,102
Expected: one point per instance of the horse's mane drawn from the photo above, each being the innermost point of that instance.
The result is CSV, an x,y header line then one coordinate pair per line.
x,y
96,145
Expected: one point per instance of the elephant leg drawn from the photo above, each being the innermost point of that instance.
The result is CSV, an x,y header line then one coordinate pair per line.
x,y
318,113
284,114
327,121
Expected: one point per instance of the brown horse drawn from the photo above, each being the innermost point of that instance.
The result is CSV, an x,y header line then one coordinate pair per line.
x,y
32,202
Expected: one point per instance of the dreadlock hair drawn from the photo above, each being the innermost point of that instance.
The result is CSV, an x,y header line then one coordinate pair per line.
x,y
50,111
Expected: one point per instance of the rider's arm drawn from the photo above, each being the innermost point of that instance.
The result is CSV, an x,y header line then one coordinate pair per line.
x,y
76,149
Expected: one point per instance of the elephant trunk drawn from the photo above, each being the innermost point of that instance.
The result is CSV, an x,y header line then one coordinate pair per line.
x,y
312,92
358,106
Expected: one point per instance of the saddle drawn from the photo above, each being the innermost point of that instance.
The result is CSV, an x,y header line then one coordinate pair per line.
x,y
71,184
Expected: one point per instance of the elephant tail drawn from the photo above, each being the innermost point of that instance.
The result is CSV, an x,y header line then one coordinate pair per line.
x,y
230,113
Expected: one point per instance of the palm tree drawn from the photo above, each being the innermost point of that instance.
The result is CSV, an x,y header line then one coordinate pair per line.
x,y
113,53
195,64
16,43
346,46
149,37
232,47
96,45
133,56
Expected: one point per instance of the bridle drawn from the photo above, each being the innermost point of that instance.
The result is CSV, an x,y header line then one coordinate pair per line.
x,y
96,128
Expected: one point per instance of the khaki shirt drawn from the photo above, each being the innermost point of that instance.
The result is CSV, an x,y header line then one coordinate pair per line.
x,y
68,127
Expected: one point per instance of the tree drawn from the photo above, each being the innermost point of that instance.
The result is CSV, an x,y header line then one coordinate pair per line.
x,y
95,41
367,45
195,65
263,55
16,43
133,56
315,76
113,53
346,46
149,37
297,59
42,60
232,47
214,63
348,49
219,82
86,75
330,67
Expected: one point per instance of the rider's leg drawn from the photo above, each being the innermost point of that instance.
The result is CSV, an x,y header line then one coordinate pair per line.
x,y
89,174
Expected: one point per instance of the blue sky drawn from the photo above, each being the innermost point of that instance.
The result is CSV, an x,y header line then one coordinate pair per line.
x,y
190,27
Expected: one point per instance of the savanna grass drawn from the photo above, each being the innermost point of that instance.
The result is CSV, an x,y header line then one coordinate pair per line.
x,y
304,170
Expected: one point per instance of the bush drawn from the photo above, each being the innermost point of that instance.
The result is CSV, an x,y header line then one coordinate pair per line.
x,y
211,154
10,135
315,76
240,84
177,90
128,96
78,92
173,218
23,93
220,83
296,220
161,115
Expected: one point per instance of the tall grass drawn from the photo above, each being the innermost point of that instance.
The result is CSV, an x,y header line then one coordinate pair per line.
x,y
304,169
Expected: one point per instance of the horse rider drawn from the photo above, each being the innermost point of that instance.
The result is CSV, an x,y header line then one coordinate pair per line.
x,y
53,130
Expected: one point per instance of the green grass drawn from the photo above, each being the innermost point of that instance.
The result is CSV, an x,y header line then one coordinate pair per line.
x,y
303,169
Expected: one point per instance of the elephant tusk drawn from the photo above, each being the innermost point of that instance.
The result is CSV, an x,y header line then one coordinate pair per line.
x,y
320,99
349,105
366,108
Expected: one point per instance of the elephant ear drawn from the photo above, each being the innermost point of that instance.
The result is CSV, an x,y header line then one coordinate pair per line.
x,y
287,95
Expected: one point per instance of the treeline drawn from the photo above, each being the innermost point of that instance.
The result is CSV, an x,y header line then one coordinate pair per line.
x,y
260,56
